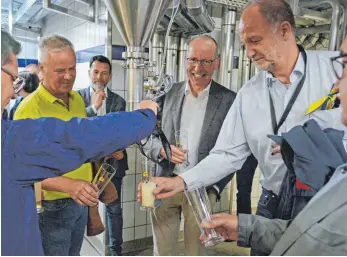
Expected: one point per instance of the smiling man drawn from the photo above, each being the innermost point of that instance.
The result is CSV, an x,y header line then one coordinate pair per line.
x,y
197,108
63,222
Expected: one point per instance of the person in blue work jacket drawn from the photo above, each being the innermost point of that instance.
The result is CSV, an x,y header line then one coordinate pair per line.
x,y
33,150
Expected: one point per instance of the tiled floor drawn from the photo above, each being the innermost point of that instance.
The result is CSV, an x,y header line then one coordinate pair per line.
x,y
223,249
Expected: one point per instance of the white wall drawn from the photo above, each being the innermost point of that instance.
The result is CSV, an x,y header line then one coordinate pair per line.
x,y
81,33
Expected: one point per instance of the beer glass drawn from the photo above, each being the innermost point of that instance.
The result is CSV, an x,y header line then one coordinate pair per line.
x,y
149,203
38,197
200,204
104,176
181,137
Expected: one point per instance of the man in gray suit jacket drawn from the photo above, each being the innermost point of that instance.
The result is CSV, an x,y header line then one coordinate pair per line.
x,y
196,108
99,102
320,228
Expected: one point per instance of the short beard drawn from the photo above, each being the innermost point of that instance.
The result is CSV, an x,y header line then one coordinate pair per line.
x,y
97,88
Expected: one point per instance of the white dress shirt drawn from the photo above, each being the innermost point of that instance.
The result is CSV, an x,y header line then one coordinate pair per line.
x,y
248,122
93,96
192,119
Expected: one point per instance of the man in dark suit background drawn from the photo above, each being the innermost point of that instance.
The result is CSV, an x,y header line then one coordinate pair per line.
x,y
197,109
100,100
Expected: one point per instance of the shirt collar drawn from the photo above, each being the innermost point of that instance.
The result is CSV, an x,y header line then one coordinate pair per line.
x,y
298,71
91,89
206,91
48,96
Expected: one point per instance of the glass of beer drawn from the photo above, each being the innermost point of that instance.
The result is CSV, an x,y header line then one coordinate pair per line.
x,y
181,137
38,196
149,203
104,176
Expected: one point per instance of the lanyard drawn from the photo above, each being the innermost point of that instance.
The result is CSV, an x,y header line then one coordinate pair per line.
x,y
292,100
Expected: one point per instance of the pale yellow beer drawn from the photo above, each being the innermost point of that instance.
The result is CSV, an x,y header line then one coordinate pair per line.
x,y
38,197
148,198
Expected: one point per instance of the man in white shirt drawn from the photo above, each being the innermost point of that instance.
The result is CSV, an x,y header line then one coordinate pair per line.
x,y
100,100
193,113
267,28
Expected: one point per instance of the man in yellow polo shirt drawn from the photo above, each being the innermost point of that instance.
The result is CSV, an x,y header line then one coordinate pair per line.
x,y
65,213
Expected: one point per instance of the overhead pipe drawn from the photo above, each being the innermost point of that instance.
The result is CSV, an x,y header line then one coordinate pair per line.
x,y
198,11
335,18
313,30
184,22
227,47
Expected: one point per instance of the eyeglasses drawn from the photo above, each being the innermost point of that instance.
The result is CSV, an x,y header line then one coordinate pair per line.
x,y
205,63
338,65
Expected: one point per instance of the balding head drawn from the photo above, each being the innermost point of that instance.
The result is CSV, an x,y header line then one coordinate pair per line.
x,y
207,41
267,31
274,12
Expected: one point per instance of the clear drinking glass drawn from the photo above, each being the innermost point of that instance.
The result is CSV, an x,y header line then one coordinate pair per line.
x,y
104,176
181,138
149,203
38,197
199,201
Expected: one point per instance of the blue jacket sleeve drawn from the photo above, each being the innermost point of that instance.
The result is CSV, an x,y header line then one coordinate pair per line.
x,y
49,147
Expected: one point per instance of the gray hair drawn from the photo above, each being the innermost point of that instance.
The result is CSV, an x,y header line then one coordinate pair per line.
x,y
53,43
275,12
8,45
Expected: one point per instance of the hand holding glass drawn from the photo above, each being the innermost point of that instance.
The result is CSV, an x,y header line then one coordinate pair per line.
x,y
199,202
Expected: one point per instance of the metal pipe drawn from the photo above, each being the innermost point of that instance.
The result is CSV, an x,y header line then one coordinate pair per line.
x,y
10,17
182,65
157,52
96,7
344,23
335,18
171,57
134,76
246,70
240,77
198,11
313,30
227,47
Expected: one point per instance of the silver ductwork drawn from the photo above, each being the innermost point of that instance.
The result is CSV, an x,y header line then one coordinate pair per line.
x,y
198,11
136,21
227,47
192,19
335,18
182,63
312,30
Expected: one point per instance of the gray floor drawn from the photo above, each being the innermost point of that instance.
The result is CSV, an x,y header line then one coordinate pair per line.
x,y
223,249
